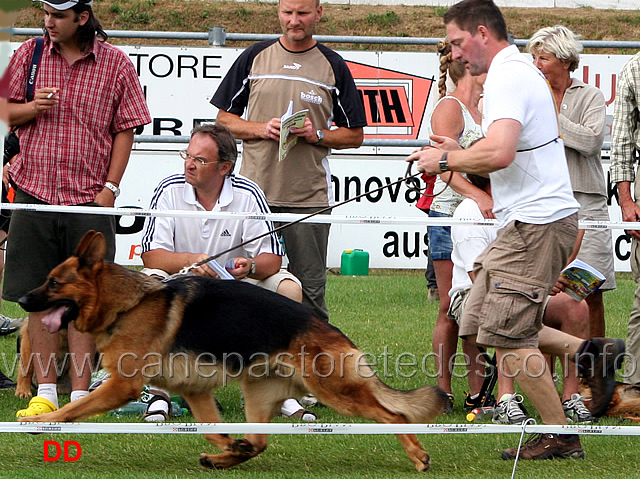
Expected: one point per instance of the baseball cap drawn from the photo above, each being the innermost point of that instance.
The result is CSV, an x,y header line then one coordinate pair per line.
x,y
65,4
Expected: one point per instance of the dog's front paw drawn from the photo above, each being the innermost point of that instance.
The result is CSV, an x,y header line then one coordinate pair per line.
x,y
23,393
29,418
49,417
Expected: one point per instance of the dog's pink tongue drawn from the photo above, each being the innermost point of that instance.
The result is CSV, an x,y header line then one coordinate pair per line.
x,y
53,320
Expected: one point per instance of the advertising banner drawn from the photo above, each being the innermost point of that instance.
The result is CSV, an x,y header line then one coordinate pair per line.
x,y
398,89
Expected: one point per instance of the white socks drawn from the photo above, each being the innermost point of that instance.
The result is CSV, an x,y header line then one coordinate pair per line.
x,y
289,407
75,395
292,406
49,391
154,409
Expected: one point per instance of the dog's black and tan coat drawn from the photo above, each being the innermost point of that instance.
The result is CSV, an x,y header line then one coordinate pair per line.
x,y
192,334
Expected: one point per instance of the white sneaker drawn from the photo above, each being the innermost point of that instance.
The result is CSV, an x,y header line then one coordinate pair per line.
x,y
576,411
9,325
309,400
509,410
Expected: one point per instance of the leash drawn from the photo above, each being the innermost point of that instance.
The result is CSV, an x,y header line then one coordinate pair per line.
x,y
408,176
524,427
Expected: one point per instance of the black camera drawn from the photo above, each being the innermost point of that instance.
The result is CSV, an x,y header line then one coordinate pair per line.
x,y
11,147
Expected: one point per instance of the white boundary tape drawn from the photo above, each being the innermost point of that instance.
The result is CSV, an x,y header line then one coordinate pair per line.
x,y
288,217
308,428
299,428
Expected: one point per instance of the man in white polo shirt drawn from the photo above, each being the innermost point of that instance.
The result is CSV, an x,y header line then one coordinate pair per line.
x,y
208,184
534,204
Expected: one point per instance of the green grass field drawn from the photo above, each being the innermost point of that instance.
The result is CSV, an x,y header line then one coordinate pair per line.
x,y
385,314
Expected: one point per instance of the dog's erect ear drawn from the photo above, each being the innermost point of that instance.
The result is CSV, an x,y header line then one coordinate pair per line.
x,y
91,249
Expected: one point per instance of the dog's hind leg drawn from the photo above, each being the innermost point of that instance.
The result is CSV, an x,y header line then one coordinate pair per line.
x,y
262,401
341,380
415,451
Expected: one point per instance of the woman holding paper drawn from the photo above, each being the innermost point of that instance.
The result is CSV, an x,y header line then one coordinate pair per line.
x,y
581,118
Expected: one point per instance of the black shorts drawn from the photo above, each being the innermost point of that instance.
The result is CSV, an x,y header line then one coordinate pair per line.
x,y
39,241
5,215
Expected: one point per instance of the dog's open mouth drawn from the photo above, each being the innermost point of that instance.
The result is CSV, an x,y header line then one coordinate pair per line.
x,y
60,316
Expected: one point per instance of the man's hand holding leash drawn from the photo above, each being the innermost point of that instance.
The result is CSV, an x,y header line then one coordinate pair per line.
x,y
429,157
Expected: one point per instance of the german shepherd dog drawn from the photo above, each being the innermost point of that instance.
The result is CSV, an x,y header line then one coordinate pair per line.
x,y
191,334
625,402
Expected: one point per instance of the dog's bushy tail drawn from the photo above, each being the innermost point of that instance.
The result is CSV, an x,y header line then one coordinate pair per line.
x,y
419,406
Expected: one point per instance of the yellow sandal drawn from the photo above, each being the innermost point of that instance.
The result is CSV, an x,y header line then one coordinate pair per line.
x,y
38,405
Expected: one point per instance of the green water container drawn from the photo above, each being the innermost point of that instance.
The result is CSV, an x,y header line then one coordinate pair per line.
x,y
354,262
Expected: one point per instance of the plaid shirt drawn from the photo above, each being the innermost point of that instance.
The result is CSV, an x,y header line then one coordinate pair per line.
x,y
625,132
66,151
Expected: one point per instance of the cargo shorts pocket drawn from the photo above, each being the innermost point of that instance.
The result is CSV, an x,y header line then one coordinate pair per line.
x,y
513,307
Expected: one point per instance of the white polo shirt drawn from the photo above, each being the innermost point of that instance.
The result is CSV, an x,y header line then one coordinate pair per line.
x,y
535,188
210,236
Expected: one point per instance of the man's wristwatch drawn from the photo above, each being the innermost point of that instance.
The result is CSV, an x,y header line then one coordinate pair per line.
x,y
320,135
253,267
114,189
444,166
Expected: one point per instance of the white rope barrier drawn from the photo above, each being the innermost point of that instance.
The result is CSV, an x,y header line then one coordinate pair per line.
x,y
309,428
288,217
301,428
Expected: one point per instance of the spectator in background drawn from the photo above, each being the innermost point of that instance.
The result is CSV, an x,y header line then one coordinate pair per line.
x,y
581,118
455,116
561,312
625,146
424,204
171,243
262,82
87,102
6,324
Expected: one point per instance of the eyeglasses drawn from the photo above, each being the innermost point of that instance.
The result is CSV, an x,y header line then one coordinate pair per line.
x,y
198,160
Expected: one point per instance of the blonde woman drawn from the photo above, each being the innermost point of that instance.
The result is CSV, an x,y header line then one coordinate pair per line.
x,y
581,119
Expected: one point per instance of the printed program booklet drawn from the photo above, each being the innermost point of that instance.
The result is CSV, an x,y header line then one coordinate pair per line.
x,y
288,121
222,272
584,279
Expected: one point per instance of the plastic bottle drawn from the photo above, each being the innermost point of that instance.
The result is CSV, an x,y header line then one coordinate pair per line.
x,y
138,408
479,413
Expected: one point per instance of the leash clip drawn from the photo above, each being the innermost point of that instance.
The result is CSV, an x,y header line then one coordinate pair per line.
x,y
186,271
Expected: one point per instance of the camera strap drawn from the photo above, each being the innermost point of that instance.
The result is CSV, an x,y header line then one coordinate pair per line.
x,y
33,68
31,86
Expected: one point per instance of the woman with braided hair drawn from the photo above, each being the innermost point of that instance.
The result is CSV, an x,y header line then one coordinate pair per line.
x,y
457,116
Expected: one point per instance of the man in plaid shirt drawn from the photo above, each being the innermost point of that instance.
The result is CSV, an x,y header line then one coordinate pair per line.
x,y
625,144
75,138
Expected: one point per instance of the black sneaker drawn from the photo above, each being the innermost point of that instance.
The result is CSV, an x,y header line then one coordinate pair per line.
x,y
5,382
448,407
548,446
479,401
598,363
